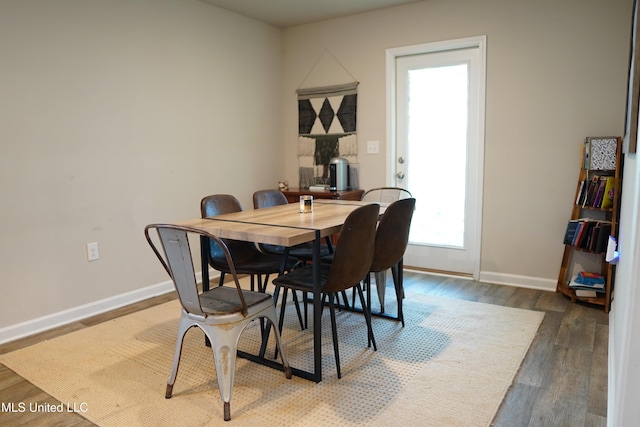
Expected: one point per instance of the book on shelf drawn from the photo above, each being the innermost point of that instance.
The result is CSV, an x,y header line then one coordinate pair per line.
x,y
572,225
588,234
585,234
580,193
596,192
587,293
582,225
603,238
590,192
597,200
592,287
601,153
318,188
588,278
609,193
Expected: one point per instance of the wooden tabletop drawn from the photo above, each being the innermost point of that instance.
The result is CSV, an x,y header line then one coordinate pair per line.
x,y
280,225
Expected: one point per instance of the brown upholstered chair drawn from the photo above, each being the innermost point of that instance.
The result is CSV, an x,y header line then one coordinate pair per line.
x,y
392,237
303,251
246,256
222,313
351,264
384,195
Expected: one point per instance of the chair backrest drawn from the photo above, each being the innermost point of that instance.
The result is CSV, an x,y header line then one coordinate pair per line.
x,y
354,251
392,235
385,194
268,198
178,262
218,204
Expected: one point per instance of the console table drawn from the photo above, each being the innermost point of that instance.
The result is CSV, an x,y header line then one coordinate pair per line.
x,y
293,194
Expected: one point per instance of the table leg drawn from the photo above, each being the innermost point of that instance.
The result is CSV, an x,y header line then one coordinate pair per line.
x,y
204,264
317,311
204,257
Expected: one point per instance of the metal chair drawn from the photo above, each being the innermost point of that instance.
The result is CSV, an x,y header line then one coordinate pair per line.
x,y
351,264
221,313
385,194
392,237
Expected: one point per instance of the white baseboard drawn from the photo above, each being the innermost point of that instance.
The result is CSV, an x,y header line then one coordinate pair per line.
x,y
503,279
519,281
54,320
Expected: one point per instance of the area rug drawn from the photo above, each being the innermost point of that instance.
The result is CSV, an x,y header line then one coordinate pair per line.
x,y
451,365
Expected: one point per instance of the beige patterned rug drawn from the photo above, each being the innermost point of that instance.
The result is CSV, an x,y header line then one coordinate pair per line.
x,y
450,366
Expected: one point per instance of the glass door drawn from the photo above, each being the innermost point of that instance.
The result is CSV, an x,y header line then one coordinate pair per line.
x,y
437,155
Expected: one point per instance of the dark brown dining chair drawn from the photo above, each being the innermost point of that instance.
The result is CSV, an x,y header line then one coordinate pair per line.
x,y
384,195
351,263
303,251
392,238
222,313
246,256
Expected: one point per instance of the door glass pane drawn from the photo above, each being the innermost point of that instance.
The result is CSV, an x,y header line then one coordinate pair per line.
x,y
437,155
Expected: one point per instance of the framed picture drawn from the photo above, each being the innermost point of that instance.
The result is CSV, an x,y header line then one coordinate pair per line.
x,y
633,88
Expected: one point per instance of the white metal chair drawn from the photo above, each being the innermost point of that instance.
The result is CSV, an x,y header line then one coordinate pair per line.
x,y
222,312
385,194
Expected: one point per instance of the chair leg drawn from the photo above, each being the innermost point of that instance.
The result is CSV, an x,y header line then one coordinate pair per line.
x,y
346,300
270,314
185,325
334,331
297,304
224,345
283,307
381,283
367,289
367,317
397,282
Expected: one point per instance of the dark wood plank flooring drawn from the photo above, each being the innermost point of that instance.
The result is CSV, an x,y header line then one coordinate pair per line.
x,y
562,380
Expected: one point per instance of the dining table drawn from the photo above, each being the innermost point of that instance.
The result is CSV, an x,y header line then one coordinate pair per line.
x,y
283,225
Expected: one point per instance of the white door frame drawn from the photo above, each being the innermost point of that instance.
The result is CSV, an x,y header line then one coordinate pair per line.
x,y
479,42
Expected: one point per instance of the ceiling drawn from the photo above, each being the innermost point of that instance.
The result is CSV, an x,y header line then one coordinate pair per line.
x,y
288,13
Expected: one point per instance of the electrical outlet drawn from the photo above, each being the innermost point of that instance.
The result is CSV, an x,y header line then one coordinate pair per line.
x,y
373,147
92,251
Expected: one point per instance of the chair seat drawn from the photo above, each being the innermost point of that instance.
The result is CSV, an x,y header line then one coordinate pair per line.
x,y
301,279
225,300
259,263
302,251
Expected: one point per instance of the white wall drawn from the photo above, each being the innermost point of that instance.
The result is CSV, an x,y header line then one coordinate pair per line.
x,y
115,114
556,73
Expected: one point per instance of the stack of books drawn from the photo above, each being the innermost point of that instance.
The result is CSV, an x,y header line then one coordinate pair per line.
x,y
588,234
598,192
587,284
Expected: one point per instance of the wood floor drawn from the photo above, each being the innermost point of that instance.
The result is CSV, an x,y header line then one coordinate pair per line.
x,y
562,380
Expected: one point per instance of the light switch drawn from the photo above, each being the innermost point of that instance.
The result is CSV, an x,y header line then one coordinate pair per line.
x,y
373,147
